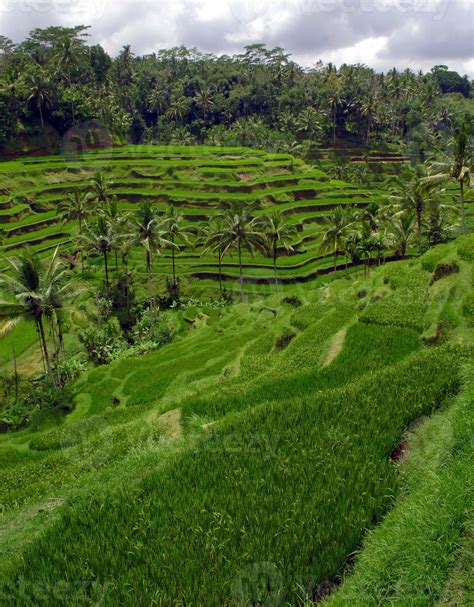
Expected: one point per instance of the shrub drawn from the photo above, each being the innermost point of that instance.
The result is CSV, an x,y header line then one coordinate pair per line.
x,y
283,341
101,343
444,269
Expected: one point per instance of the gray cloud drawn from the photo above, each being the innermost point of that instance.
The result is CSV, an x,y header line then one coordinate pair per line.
x,y
382,33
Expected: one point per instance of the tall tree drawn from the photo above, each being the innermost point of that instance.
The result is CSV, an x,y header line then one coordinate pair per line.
x,y
100,238
76,207
150,233
39,94
278,233
34,286
338,223
176,232
457,168
241,231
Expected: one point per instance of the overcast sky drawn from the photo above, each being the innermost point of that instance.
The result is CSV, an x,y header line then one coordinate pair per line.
x,y
379,33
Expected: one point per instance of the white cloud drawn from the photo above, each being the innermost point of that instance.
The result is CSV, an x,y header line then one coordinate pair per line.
x,y
380,33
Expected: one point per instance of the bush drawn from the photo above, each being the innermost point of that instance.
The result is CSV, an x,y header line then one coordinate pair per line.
x,y
101,343
444,269
283,341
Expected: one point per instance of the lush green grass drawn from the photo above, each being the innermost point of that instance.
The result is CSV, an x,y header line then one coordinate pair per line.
x,y
270,458
410,559
255,447
199,180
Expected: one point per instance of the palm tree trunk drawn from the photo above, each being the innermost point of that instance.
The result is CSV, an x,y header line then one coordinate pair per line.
x,y
174,266
335,261
148,263
275,266
41,116
241,273
15,372
45,345
106,266
220,271
418,227
463,217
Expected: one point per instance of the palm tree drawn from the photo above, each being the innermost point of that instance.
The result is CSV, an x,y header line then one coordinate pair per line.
x,y
175,231
149,233
204,101
76,207
100,189
100,238
67,56
241,231
438,223
40,94
211,237
401,233
35,287
177,109
457,168
336,233
157,100
412,196
277,233
118,224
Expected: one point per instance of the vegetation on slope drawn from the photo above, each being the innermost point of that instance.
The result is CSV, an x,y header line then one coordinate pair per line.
x,y
268,488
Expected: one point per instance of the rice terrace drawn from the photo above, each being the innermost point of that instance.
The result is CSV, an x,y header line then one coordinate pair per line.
x,y
236,329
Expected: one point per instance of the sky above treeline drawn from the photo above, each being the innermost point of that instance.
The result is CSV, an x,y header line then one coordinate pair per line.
x,y
378,33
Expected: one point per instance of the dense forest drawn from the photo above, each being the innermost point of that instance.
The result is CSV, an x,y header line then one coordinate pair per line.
x,y
54,80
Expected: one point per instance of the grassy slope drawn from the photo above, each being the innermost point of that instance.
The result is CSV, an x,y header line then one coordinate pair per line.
x,y
278,488
198,180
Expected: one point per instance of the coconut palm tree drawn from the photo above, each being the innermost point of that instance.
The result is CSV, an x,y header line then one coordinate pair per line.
x,y
118,224
149,233
40,94
439,222
456,168
241,231
338,225
175,232
401,233
157,100
277,232
35,288
204,101
76,207
211,238
100,238
100,189
67,57
412,196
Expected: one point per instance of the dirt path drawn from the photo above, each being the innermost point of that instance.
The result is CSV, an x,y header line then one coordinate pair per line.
x,y
170,424
335,347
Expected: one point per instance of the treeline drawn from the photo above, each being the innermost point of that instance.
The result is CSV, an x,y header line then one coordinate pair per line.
x,y
180,95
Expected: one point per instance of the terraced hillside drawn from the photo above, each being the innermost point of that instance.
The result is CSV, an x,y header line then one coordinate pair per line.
x,y
198,181
243,463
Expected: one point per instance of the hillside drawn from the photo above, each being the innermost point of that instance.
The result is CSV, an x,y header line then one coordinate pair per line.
x,y
247,461
199,182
